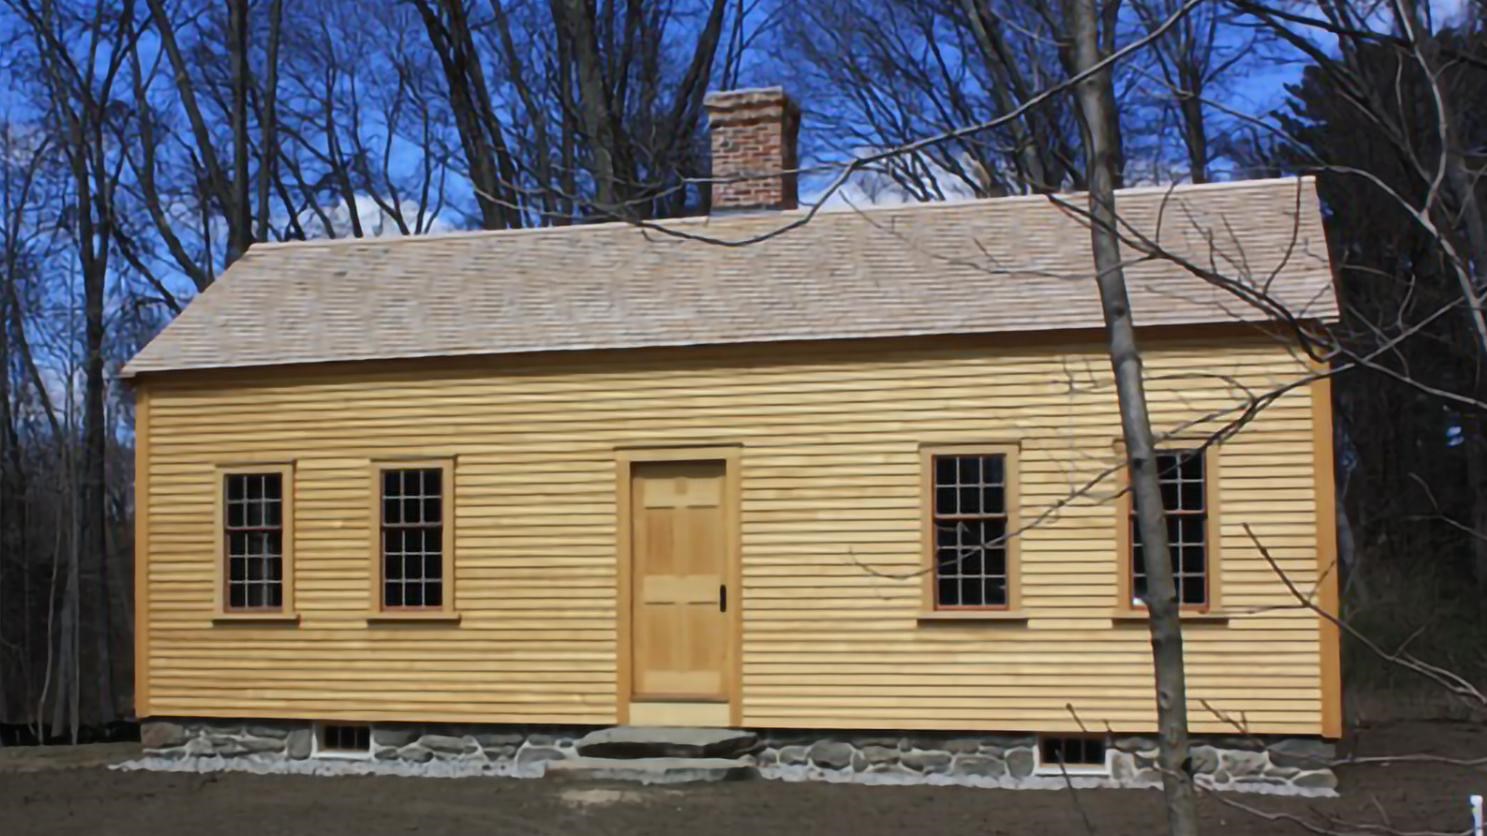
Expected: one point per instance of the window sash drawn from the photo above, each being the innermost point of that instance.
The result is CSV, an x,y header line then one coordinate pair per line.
x,y
253,541
973,562
420,581
1174,471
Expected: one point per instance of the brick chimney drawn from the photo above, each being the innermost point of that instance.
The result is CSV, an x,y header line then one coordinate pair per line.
x,y
753,135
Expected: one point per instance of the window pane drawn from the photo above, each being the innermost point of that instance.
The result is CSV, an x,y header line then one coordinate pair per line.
x,y
413,510
433,594
996,591
949,592
969,469
1192,465
993,500
1194,529
993,470
945,501
392,594
996,562
1192,591
944,470
971,561
431,510
970,500
1191,562
993,533
235,488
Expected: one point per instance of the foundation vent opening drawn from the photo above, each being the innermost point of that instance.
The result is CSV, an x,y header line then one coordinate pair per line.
x,y
1074,754
340,740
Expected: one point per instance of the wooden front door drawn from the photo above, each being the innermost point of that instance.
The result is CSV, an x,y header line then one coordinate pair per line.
x,y
679,595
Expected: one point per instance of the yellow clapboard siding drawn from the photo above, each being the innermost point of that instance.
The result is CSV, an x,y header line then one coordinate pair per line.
x,y
829,476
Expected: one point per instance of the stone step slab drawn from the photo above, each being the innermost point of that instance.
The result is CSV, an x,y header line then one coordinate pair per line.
x,y
666,742
653,770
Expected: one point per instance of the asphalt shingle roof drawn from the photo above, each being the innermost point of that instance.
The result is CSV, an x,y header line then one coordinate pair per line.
x,y
1006,264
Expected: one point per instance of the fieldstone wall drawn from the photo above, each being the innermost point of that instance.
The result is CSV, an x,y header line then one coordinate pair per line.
x,y
499,750
1289,766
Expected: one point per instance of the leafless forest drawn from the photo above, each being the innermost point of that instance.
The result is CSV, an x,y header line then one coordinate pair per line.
x,y
145,144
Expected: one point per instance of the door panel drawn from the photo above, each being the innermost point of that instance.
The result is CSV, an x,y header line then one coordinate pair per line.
x,y
679,550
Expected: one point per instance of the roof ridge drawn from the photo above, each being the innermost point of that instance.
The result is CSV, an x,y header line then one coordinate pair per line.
x,y
746,218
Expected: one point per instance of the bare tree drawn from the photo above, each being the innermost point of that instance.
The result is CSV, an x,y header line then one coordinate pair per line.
x,y
1091,36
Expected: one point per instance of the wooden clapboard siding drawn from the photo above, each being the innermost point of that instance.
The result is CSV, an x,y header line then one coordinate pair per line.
x,y
830,438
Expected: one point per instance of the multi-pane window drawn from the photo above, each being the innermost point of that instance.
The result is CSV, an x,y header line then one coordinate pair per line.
x,y
412,509
253,538
1182,476
970,523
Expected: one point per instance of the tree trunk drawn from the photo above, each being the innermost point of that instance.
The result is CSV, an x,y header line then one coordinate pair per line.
x,y
268,118
1096,97
576,26
239,213
93,513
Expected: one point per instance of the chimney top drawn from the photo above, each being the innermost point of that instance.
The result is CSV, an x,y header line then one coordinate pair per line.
x,y
753,149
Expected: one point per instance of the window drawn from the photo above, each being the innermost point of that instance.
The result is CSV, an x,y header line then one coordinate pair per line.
x,y
1187,495
255,530
415,541
972,499
1081,754
343,740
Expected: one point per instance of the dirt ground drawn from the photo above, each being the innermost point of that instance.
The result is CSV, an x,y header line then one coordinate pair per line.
x,y
82,799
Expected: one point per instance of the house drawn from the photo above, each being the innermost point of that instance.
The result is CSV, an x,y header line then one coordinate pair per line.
x,y
854,487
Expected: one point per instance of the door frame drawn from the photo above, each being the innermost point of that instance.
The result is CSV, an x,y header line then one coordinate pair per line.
x,y
625,461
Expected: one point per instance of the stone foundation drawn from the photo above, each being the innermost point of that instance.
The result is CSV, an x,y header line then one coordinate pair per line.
x,y
1290,766
507,750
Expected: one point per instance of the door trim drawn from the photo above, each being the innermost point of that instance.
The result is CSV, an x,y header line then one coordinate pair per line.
x,y
625,460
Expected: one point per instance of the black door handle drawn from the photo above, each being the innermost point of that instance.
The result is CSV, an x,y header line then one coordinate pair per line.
x,y
722,597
